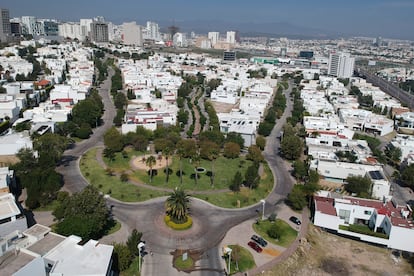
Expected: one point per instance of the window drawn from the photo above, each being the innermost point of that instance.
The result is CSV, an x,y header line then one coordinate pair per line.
x,y
367,212
344,214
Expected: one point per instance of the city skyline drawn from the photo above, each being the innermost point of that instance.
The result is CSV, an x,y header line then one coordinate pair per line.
x,y
373,18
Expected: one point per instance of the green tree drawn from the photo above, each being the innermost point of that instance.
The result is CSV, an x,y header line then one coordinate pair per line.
x,y
255,154
150,162
297,198
231,150
120,100
252,176
261,142
122,256
84,214
133,241
87,111
299,170
265,128
359,185
407,176
50,147
236,182
188,147
177,206
113,140
235,138
274,231
291,147
167,152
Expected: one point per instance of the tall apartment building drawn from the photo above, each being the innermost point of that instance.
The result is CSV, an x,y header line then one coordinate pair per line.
x,y
231,37
131,34
99,32
71,30
152,31
85,25
5,29
214,37
341,65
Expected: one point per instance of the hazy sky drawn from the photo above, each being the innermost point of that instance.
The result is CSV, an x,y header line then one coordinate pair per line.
x,y
358,17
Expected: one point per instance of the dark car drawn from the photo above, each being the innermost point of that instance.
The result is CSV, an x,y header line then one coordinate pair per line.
x,y
255,246
295,220
259,240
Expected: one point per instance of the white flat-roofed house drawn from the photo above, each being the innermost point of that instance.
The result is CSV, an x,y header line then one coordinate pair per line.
x,y
354,118
160,114
10,144
240,123
406,144
38,251
9,108
11,216
393,222
379,124
62,91
405,122
7,180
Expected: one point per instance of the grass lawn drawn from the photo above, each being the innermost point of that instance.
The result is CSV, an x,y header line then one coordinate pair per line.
x,y
121,163
245,259
183,265
287,236
224,170
246,196
123,191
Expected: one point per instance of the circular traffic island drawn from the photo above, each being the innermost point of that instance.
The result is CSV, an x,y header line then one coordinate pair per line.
x,y
178,225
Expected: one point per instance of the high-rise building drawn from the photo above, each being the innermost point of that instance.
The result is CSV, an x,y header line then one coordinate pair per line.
x,y
152,31
99,32
341,65
29,25
5,29
231,37
71,30
85,25
131,34
214,37
180,40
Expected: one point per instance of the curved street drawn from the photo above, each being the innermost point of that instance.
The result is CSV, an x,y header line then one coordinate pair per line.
x,y
210,222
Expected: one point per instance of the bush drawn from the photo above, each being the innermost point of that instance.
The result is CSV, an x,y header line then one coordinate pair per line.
x,y
124,177
274,231
178,226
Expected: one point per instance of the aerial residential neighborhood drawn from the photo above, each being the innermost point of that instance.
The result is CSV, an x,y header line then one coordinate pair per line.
x,y
133,145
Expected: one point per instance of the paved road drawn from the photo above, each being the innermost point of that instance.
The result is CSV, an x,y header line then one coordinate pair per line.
x,y
69,168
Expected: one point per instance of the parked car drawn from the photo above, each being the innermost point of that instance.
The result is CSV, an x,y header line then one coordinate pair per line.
x,y
259,240
295,220
255,246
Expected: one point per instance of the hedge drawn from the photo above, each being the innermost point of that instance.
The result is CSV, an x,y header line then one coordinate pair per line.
x,y
182,226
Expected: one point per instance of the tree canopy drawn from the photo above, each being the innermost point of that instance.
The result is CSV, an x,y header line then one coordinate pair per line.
x,y
177,206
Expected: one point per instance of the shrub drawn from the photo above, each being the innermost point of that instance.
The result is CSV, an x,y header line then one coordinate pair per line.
x,y
274,231
124,177
178,226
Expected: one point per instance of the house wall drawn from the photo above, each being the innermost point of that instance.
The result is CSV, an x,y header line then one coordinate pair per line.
x,y
401,238
326,221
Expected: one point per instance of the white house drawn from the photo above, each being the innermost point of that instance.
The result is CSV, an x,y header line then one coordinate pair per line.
x,y
11,216
393,222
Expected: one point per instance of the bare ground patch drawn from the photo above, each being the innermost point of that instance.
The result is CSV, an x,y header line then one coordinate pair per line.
x,y
327,254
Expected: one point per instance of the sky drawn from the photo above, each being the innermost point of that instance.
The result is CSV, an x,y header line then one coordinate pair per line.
x,y
387,18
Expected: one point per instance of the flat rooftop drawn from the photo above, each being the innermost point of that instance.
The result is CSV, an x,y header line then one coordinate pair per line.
x,y
46,244
8,206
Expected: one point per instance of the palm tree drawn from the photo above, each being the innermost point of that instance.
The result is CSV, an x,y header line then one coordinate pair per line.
x,y
181,153
167,152
150,162
214,152
196,159
177,206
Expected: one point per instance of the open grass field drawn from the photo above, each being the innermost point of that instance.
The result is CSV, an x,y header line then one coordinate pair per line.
x,y
98,177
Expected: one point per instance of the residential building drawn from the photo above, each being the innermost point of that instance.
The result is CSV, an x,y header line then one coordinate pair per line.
x,y
341,65
10,144
180,40
71,30
85,27
99,32
11,216
152,31
5,27
231,37
214,38
405,122
38,251
405,143
240,123
131,34
391,225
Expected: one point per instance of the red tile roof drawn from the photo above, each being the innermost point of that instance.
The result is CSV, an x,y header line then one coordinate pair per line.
x,y
43,82
325,205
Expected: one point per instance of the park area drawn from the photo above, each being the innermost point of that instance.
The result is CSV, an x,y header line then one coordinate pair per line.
x,y
126,177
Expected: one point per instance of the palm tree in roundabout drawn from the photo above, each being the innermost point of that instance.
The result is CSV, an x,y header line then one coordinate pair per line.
x,y
150,162
177,208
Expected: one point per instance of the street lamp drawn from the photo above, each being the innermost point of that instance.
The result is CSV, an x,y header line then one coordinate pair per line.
x,y
227,250
141,247
263,202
